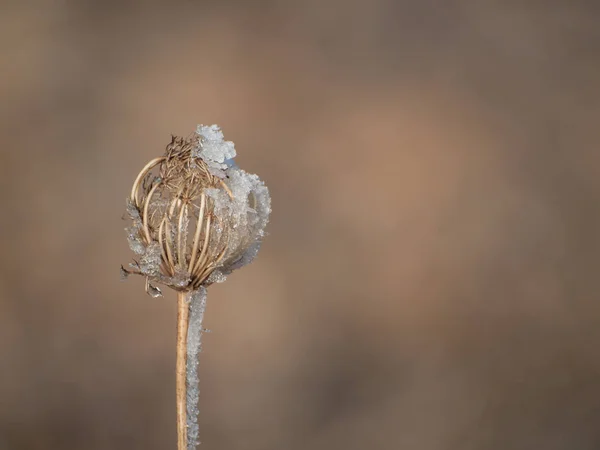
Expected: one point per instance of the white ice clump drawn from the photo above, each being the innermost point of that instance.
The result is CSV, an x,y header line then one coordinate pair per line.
x,y
221,201
216,153
194,347
246,210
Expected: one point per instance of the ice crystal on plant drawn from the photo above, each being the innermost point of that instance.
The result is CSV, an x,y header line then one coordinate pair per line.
x,y
135,243
194,347
217,277
213,149
134,213
150,260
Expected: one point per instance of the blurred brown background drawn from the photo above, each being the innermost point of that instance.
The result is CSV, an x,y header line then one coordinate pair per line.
x,y
430,281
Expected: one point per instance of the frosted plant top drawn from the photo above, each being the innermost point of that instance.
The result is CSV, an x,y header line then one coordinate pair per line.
x,y
196,216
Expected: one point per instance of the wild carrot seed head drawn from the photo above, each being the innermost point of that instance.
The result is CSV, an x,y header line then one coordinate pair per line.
x,y
195,215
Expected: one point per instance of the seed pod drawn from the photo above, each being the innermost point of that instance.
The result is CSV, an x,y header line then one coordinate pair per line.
x,y
195,215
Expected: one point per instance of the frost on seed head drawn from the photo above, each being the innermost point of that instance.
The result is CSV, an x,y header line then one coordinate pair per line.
x,y
135,243
150,260
248,214
213,150
196,216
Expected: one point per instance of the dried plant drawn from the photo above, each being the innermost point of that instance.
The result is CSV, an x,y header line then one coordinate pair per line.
x,y
196,217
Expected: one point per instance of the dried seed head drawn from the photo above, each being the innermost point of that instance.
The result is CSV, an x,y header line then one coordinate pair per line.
x,y
195,215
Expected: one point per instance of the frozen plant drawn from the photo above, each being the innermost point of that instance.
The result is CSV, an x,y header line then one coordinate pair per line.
x,y
195,217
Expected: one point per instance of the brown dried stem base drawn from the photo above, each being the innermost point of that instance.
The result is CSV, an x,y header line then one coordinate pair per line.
x,y
183,315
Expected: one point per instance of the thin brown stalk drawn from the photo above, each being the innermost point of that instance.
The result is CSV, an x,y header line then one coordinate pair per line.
x,y
183,314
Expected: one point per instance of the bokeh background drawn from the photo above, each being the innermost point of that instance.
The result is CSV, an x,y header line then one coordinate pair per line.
x,y
430,281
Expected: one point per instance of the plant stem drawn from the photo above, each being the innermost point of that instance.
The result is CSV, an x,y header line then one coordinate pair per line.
x,y
183,316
